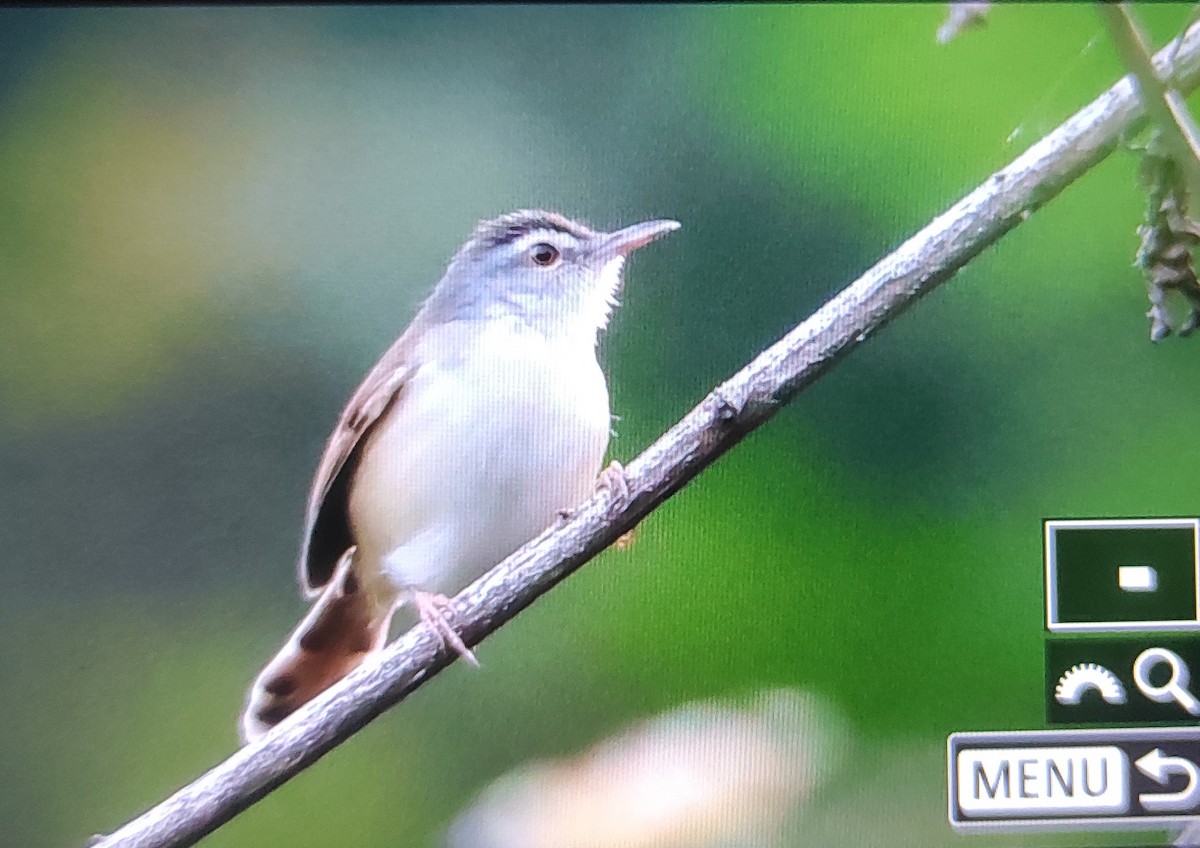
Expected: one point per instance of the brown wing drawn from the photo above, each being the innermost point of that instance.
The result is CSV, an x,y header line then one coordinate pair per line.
x,y
327,533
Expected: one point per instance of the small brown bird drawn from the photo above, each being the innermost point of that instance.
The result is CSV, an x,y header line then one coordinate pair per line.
x,y
485,418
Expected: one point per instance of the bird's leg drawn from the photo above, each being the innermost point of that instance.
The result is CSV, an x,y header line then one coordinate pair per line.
x,y
613,479
436,611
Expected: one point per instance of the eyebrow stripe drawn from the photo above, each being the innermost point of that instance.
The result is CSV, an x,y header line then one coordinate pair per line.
x,y
514,225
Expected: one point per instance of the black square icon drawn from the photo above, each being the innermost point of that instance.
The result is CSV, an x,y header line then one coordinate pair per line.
x,y
1122,574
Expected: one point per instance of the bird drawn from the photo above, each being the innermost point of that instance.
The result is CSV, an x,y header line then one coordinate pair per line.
x,y
488,417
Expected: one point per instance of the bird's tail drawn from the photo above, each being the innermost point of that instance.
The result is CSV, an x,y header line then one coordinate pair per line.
x,y
341,629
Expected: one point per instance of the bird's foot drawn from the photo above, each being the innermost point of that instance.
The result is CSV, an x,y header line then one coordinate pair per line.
x,y
614,480
436,612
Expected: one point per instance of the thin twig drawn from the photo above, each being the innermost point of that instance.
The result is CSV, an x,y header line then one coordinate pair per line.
x,y
1166,105
718,423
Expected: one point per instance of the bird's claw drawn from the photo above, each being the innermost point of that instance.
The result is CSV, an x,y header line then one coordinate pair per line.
x,y
614,480
436,611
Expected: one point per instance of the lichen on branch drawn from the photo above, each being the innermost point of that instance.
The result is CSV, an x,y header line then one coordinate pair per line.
x,y
1168,237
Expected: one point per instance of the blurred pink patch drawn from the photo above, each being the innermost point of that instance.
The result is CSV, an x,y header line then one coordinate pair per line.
x,y
702,775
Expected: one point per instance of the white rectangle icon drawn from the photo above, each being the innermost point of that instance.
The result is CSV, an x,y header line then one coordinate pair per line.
x,y
1033,782
1137,578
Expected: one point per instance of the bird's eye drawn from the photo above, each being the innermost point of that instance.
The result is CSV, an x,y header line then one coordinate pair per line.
x,y
544,254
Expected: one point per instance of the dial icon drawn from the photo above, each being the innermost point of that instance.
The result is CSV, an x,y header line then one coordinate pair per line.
x,y
1080,678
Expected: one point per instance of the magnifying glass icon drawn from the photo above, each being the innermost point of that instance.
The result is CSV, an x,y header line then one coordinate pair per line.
x,y
1175,689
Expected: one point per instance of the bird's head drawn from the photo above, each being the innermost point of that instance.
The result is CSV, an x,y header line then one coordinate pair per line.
x,y
558,275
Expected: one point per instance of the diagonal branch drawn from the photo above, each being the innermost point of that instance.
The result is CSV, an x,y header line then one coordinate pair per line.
x,y
719,422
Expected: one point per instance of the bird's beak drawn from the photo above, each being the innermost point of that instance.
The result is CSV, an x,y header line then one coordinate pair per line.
x,y
625,241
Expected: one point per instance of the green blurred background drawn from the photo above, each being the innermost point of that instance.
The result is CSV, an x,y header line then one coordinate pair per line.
x,y
212,221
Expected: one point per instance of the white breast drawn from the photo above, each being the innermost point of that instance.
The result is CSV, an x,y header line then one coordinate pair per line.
x,y
498,429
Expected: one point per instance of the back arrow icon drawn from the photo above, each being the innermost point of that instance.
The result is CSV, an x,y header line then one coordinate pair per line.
x,y
1159,768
